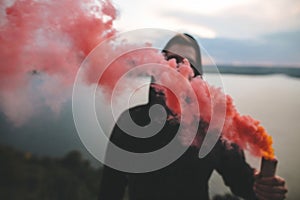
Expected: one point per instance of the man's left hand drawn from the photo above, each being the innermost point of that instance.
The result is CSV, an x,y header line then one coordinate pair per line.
x,y
267,188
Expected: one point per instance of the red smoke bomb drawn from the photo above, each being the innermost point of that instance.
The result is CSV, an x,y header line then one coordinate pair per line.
x,y
268,167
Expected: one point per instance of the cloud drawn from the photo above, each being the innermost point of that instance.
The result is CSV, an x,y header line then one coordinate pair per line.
x,y
248,19
138,14
281,48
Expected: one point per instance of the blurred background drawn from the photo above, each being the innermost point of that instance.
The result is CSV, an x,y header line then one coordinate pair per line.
x,y
256,47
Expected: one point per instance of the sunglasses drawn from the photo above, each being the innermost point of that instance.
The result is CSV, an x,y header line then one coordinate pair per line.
x,y
179,59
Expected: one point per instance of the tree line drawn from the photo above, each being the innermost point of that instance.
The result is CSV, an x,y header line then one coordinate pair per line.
x,y
24,176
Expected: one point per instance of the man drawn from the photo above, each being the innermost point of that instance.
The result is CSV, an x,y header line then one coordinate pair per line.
x,y
186,178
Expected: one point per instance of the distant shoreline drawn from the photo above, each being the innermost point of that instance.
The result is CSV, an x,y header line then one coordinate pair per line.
x,y
254,70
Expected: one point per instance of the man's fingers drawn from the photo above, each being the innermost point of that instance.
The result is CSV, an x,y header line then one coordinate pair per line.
x,y
262,195
270,189
272,181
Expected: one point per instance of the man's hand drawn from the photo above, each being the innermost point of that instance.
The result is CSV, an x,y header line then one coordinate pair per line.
x,y
269,188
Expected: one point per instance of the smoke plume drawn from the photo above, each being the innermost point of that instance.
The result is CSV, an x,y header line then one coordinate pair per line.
x,y
43,43
49,39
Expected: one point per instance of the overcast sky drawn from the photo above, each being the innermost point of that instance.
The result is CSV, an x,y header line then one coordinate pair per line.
x,y
233,31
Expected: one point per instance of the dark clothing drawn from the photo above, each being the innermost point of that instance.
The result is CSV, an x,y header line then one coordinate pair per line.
x,y
185,179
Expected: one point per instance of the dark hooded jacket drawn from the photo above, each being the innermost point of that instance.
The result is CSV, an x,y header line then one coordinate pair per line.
x,y
185,179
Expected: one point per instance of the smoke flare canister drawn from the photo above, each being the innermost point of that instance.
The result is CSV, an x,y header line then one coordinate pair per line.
x,y
268,167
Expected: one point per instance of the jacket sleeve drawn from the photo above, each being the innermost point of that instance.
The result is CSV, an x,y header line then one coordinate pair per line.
x,y
113,182
236,173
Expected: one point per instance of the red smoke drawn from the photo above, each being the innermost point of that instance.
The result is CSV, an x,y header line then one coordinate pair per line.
x,y
242,130
245,131
51,38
